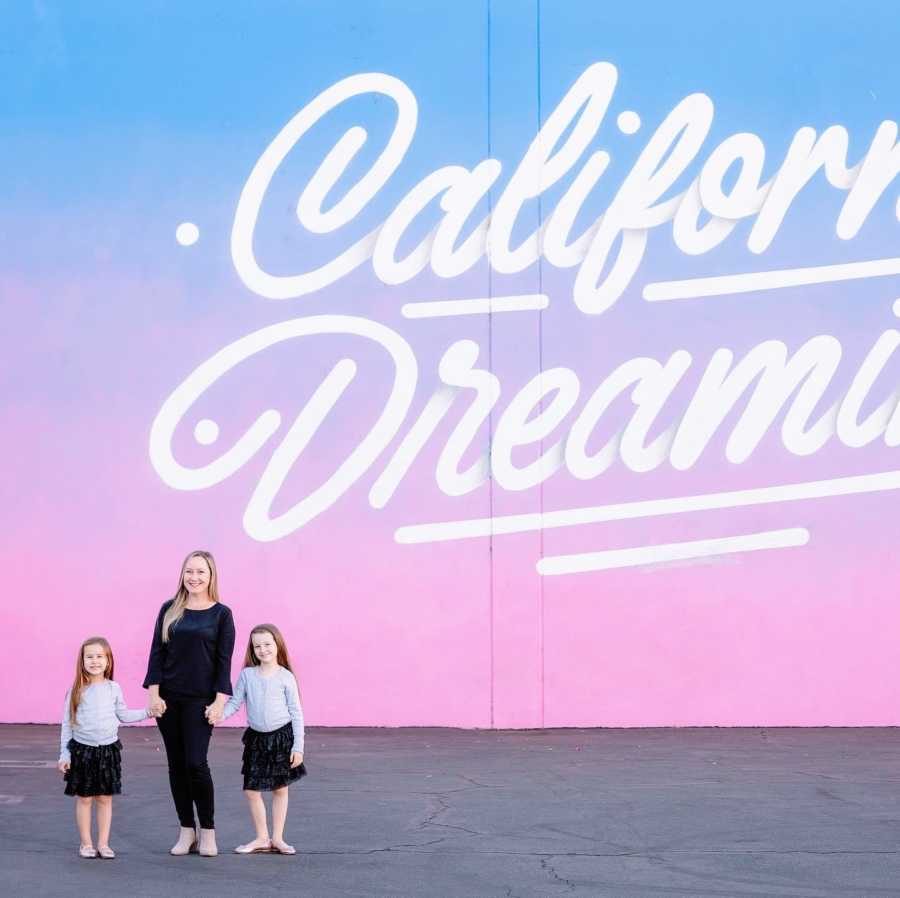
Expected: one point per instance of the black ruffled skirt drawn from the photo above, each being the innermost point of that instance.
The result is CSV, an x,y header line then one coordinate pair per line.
x,y
94,769
267,759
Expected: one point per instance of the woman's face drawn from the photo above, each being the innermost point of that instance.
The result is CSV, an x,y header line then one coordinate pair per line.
x,y
196,576
94,659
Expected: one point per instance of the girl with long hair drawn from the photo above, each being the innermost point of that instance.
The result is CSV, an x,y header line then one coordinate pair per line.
x,y
90,753
189,681
273,741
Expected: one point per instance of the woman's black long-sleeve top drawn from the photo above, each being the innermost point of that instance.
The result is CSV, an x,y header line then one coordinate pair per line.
x,y
196,661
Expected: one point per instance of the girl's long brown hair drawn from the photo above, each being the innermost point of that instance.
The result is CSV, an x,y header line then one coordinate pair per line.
x,y
81,675
176,610
250,659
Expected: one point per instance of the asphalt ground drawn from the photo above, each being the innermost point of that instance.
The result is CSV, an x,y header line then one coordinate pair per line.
x,y
456,813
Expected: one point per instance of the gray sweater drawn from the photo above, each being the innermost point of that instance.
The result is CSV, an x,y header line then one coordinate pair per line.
x,y
271,702
101,708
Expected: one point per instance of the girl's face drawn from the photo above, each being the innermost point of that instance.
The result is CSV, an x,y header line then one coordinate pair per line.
x,y
94,660
196,575
264,647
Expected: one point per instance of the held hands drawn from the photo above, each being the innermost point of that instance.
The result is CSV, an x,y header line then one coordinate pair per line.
x,y
214,712
296,758
62,766
157,707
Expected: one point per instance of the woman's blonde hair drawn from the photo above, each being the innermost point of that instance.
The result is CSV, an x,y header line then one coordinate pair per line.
x,y
175,611
82,678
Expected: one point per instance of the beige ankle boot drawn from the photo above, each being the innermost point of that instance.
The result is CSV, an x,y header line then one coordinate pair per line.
x,y
187,842
208,846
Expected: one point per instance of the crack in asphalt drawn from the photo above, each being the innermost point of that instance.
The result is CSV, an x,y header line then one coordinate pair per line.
x,y
475,782
443,805
549,868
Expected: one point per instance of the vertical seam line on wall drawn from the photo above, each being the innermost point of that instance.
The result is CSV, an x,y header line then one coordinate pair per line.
x,y
541,374
490,319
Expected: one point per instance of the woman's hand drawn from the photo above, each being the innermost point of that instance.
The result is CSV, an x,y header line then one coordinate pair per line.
x,y
155,705
296,758
62,766
214,711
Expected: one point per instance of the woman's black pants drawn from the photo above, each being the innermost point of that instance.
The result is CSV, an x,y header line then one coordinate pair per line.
x,y
186,733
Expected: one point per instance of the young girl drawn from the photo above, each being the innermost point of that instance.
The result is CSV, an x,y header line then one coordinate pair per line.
x,y
90,754
273,743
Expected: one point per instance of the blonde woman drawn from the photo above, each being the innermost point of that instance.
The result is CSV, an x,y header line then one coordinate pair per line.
x,y
189,681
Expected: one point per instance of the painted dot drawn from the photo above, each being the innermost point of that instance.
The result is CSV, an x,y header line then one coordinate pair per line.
x,y
187,233
896,307
206,432
629,122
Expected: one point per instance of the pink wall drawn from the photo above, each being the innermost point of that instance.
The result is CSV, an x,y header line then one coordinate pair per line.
x,y
784,611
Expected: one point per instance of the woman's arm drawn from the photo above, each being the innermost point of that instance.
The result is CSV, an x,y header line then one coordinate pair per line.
x,y
224,651
156,705
295,709
123,712
157,653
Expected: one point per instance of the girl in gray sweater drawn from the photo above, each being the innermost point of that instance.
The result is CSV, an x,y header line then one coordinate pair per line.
x,y
90,754
273,743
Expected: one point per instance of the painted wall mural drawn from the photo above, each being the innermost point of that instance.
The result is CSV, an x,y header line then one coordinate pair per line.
x,y
527,364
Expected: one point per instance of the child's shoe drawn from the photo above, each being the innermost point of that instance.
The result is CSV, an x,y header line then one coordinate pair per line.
x,y
282,847
257,846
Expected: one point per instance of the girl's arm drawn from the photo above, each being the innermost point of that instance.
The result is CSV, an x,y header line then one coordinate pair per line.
x,y
123,712
66,734
236,700
292,697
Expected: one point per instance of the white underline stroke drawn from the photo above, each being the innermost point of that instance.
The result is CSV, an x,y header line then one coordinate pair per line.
x,y
724,285
554,565
520,523
444,308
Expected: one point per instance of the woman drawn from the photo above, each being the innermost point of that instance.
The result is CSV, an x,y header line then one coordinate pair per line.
x,y
189,681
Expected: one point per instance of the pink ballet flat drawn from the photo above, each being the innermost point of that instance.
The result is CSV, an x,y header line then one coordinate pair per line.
x,y
284,848
106,852
87,851
256,849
